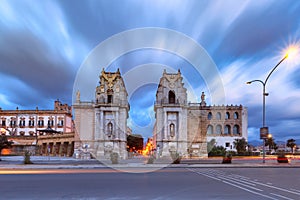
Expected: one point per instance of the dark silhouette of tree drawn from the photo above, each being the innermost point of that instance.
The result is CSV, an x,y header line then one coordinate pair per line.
x,y
240,145
291,143
271,143
217,151
4,143
135,142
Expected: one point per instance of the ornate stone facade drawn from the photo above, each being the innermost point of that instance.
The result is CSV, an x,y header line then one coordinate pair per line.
x,y
186,128
102,124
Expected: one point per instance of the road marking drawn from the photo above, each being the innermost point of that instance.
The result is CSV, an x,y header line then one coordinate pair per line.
x,y
269,197
284,197
282,189
295,190
253,188
243,182
234,179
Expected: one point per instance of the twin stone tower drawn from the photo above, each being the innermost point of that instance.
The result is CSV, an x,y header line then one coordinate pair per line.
x,y
180,127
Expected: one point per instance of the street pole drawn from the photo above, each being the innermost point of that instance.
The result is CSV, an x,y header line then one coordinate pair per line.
x,y
264,104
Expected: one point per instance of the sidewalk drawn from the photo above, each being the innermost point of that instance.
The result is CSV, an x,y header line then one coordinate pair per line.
x,y
42,162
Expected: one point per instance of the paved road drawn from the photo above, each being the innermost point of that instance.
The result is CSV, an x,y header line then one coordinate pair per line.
x,y
168,183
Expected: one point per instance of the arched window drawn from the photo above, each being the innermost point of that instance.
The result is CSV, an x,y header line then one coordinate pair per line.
x,y
236,115
172,130
171,97
209,116
218,129
210,130
227,129
236,130
227,115
109,129
218,116
110,96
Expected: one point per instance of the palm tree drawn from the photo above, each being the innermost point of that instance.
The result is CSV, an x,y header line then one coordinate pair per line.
x,y
271,143
240,145
291,143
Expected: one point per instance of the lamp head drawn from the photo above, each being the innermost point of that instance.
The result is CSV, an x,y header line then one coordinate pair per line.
x,y
248,82
291,52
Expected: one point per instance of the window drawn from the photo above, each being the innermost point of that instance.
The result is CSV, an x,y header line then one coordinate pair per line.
x,y
171,97
209,130
209,116
219,129
50,122
236,115
31,122
218,116
3,122
227,115
227,129
227,144
60,122
22,122
110,96
41,122
13,122
172,130
236,130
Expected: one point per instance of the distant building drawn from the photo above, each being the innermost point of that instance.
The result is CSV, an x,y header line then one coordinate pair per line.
x,y
186,128
27,128
102,124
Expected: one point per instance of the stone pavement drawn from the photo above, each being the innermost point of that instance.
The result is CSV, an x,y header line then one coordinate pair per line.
x,y
44,162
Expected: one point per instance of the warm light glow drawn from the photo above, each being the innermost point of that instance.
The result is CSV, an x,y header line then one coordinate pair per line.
x,y
6,152
3,131
291,52
148,149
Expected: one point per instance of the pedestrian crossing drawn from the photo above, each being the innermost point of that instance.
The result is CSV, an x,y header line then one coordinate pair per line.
x,y
254,186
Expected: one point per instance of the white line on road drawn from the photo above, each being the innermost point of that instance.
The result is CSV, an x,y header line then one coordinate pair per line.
x,y
284,197
235,182
274,187
295,190
269,197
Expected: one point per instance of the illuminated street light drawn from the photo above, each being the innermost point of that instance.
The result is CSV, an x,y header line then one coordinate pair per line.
x,y
264,131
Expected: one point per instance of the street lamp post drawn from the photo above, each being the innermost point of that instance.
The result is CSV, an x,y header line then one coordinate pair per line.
x,y
264,130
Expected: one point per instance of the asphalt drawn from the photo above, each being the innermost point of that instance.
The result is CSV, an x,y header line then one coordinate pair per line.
x,y
45,162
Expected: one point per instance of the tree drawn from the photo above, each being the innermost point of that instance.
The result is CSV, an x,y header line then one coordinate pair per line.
x,y
271,143
210,145
135,142
4,143
217,151
240,145
291,143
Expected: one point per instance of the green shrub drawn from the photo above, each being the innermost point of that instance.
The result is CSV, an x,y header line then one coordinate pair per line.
x,y
176,157
27,158
150,160
114,156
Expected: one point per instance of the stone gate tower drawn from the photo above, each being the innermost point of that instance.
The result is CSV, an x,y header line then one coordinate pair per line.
x,y
171,115
102,124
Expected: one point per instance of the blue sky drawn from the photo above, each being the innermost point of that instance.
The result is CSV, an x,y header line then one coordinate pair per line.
x,y
44,43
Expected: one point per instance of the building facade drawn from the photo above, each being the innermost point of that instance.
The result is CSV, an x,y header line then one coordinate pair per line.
x,y
25,128
186,128
102,124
